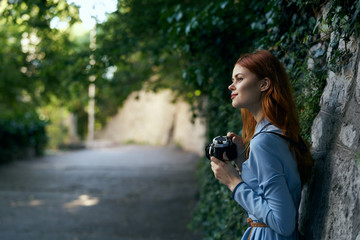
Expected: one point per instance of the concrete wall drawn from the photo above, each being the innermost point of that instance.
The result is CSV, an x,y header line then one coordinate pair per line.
x,y
331,209
152,118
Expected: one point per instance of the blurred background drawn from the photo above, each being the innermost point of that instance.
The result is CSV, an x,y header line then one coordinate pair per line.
x,y
68,72
79,73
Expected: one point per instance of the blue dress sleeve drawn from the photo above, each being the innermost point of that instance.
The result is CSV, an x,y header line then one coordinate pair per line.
x,y
273,205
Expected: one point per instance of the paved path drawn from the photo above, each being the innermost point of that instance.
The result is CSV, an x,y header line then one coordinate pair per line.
x,y
123,193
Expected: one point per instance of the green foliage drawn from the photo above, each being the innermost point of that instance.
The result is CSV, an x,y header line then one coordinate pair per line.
x,y
340,24
217,215
211,36
38,63
20,134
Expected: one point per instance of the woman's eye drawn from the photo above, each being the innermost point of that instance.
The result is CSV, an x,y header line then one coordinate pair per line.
x,y
239,79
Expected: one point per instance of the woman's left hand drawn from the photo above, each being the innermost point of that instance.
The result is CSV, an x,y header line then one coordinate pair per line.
x,y
225,173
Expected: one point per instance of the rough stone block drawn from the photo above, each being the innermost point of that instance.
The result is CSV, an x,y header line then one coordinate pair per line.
x,y
332,210
348,135
335,95
357,87
322,132
339,85
343,203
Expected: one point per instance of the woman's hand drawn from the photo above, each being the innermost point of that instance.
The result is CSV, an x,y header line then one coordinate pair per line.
x,y
225,173
239,149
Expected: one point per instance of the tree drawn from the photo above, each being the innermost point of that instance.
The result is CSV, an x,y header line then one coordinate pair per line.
x,y
38,62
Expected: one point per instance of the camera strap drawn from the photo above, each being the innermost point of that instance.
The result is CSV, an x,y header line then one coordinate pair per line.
x,y
301,144
261,131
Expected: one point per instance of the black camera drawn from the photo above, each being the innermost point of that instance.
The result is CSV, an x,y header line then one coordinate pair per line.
x,y
219,145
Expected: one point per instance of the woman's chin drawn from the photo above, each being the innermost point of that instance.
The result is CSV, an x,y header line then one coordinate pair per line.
x,y
237,106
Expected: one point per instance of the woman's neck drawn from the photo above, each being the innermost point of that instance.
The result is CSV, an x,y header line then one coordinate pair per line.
x,y
258,113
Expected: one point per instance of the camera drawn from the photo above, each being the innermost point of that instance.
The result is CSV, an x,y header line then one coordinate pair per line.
x,y
219,145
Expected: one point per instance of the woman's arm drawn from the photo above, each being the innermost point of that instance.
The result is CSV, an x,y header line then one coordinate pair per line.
x,y
275,207
225,173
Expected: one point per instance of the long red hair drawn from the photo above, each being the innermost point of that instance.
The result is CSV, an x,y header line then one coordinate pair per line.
x,y
278,106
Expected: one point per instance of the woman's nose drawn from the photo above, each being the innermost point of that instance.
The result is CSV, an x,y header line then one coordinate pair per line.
x,y
231,87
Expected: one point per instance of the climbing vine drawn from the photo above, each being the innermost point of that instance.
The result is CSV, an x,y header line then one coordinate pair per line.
x,y
339,25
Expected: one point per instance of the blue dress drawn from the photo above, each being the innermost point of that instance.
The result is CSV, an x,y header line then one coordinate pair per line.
x,y
271,187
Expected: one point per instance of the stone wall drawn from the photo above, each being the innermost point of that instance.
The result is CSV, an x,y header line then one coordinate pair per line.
x,y
152,118
331,206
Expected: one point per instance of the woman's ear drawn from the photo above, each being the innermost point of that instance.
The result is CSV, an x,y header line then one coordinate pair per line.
x,y
265,84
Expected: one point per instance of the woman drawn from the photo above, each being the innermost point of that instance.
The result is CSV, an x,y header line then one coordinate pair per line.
x,y
278,161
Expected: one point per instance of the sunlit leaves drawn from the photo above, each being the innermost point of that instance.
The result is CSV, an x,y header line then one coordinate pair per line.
x,y
38,63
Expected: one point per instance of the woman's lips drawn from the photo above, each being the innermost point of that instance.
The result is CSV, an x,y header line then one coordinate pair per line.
x,y
233,96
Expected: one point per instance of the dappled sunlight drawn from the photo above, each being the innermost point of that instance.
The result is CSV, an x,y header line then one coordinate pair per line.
x,y
83,201
30,203
94,194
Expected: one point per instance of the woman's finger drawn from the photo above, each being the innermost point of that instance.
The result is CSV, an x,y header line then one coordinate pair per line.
x,y
225,157
235,138
230,134
215,160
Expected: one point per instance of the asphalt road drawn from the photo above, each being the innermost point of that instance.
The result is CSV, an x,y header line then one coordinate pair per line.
x,y
123,193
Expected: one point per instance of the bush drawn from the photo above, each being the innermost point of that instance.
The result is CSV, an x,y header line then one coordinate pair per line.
x,y
21,135
217,215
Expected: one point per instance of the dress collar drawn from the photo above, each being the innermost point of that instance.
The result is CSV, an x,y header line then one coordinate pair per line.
x,y
261,124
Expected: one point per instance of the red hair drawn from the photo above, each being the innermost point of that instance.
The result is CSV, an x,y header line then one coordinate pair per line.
x,y
278,106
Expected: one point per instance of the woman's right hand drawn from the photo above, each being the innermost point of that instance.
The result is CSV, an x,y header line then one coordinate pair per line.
x,y
239,149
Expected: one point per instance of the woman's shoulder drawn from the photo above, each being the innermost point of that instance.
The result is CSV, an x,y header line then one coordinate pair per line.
x,y
267,136
269,141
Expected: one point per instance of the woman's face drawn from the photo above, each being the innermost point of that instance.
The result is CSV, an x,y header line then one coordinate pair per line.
x,y
245,89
